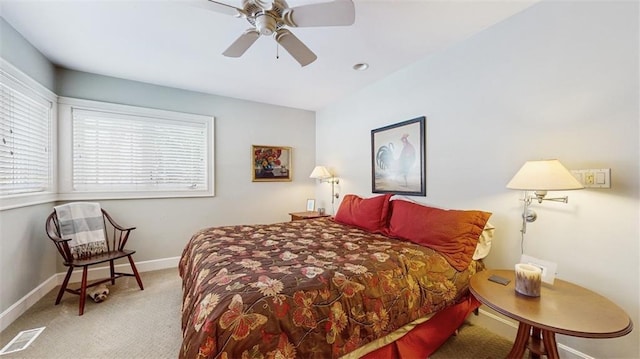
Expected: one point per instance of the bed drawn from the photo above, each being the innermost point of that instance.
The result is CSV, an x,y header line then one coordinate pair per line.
x,y
361,284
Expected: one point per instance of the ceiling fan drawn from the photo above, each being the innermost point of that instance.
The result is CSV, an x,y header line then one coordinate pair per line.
x,y
269,17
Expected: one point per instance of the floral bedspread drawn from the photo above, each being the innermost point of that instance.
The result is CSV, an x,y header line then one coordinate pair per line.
x,y
310,288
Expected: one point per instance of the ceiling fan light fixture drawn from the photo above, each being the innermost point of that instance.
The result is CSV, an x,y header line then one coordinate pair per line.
x,y
266,24
361,66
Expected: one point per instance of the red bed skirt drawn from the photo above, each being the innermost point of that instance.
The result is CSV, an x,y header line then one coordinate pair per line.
x,y
427,337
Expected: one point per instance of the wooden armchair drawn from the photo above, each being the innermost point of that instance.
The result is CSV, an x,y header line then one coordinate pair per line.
x,y
115,240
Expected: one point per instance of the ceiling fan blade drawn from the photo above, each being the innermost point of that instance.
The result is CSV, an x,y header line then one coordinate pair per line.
x,y
242,43
295,47
218,7
334,13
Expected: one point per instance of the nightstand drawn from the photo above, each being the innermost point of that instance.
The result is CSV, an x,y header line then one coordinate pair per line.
x,y
296,216
563,308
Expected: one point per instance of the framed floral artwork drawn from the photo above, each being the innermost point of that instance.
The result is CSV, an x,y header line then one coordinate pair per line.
x,y
270,163
398,162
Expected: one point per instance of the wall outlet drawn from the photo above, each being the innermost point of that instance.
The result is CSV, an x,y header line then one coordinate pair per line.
x,y
589,178
593,178
549,269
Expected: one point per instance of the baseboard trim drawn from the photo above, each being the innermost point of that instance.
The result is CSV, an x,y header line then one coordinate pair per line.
x,y
504,325
17,309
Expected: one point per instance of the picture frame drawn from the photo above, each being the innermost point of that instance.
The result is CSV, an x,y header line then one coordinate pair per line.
x,y
271,163
311,205
398,158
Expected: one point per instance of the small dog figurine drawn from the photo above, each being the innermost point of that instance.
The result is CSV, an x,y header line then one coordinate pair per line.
x,y
98,293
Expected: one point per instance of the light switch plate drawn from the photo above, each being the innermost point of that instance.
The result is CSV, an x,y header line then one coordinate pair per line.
x,y
593,178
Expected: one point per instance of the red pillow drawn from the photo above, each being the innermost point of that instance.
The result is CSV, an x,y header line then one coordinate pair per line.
x,y
370,214
452,233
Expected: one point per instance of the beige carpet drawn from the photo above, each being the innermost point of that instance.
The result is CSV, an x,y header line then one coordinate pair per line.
x,y
146,324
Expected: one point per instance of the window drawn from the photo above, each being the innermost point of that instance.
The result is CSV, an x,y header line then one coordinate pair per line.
x,y
117,151
27,126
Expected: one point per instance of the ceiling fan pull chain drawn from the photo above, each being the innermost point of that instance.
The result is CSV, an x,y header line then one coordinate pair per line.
x,y
277,50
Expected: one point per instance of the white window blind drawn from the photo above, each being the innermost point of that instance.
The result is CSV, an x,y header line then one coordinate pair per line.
x,y
115,152
25,139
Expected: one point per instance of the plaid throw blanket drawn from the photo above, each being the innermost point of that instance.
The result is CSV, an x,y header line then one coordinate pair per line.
x,y
83,223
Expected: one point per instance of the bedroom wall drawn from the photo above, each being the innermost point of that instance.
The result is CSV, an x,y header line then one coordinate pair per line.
x,y
27,257
165,225
18,51
559,80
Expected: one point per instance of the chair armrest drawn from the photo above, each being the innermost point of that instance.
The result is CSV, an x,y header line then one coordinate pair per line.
x,y
63,247
115,224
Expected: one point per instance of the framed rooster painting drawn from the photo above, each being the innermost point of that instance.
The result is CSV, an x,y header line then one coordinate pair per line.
x,y
398,158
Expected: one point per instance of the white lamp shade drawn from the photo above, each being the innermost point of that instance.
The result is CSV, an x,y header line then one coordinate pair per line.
x,y
545,175
320,172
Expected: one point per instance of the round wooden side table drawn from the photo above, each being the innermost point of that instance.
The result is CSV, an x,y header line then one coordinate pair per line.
x,y
563,308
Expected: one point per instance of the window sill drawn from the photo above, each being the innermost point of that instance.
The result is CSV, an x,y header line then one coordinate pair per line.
x,y
84,196
18,201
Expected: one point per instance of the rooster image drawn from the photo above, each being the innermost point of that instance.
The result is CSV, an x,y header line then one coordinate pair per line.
x,y
400,166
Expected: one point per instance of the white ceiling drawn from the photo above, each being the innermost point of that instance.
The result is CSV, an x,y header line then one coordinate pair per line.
x,y
172,43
